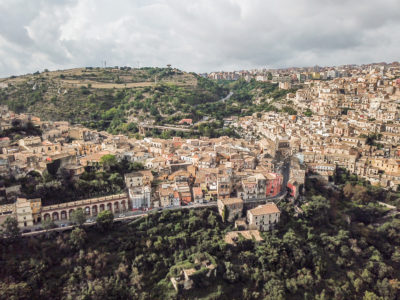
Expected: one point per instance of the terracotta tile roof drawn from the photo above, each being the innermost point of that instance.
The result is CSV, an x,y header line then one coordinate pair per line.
x,y
266,209
197,191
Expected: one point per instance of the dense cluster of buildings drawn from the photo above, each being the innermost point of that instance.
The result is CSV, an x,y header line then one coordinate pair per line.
x,y
177,171
300,75
348,122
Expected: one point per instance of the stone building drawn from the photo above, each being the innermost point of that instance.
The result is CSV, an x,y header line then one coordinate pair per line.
x,y
24,212
230,208
263,217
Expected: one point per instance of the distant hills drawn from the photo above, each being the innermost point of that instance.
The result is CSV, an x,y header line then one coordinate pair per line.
x,y
113,99
119,99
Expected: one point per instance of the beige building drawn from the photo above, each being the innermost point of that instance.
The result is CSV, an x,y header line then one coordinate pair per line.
x,y
263,217
29,141
24,212
6,210
230,208
36,206
139,178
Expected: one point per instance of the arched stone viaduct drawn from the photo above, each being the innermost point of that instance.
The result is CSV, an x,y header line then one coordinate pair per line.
x,y
91,207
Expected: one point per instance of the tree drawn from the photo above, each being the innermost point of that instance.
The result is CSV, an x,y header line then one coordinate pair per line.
x,y
230,274
225,214
48,224
136,166
10,229
308,113
78,216
316,210
108,161
12,290
77,238
356,193
105,220
371,296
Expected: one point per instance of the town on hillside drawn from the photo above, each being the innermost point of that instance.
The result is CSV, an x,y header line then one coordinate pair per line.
x,y
171,173
347,120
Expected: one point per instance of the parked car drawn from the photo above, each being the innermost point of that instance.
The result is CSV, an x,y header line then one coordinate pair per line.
x,y
63,225
121,216
26,230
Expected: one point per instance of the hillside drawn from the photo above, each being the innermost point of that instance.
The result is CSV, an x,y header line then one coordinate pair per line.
x,y
113,99
314,255
119,99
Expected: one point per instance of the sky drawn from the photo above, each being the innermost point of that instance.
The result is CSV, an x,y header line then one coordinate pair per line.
x,y
198,35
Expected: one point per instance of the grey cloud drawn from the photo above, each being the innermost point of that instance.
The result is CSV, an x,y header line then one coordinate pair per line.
x,y
202,35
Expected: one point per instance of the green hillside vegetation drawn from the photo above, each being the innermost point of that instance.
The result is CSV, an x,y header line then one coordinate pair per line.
x,y
318,254
119,99
255,96
110,99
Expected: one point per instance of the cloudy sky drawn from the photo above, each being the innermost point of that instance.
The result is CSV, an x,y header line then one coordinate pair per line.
x,y
198,35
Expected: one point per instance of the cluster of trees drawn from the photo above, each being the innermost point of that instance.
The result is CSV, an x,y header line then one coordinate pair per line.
x,y
62,187
250,97
371,139
362,191
316,254
19,130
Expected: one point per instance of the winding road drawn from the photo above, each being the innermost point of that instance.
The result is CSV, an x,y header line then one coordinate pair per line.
x,y
227,97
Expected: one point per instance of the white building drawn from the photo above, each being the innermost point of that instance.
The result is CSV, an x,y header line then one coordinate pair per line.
x,y
140,197
24,212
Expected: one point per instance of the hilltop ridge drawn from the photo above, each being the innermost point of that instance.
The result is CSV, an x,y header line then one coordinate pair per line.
x,y
113,99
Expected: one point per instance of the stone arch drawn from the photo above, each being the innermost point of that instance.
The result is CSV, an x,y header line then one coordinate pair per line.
x,y
101,207
46,217
109,206
116,206
87,210
123,205
55,216
94,210
32,171
63,215
70,213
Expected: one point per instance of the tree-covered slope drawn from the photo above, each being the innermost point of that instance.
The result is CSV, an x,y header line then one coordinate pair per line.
x,y
330,251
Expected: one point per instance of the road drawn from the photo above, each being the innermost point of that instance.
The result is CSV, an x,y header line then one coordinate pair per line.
x,y
133,215
285,171
226,98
